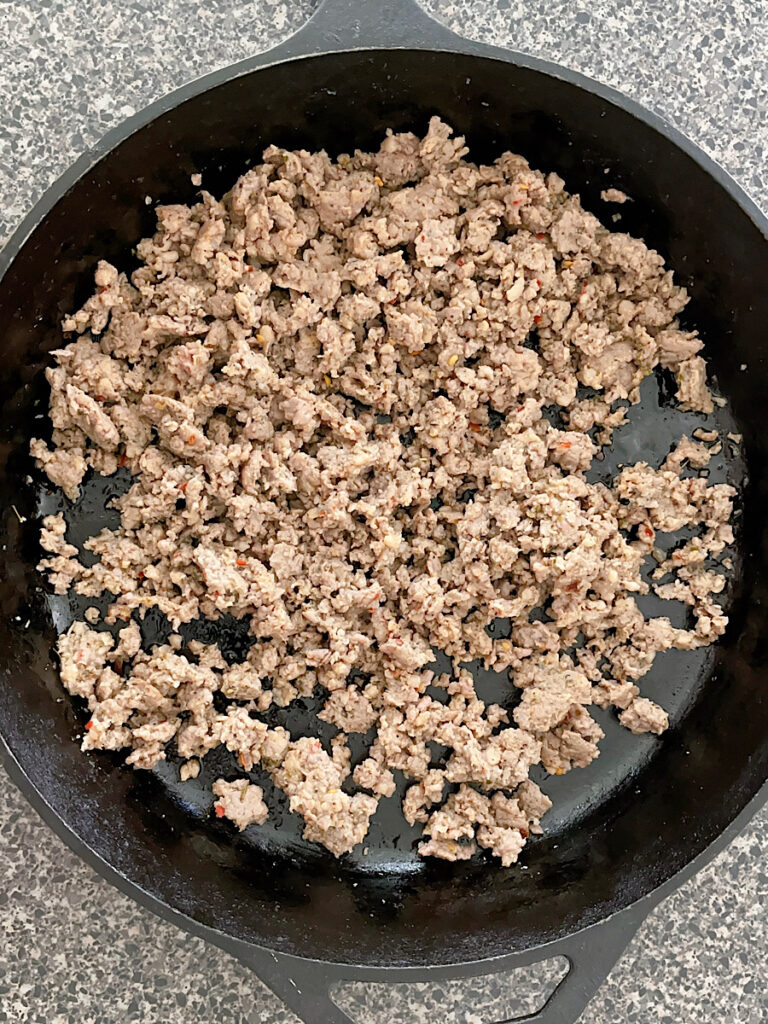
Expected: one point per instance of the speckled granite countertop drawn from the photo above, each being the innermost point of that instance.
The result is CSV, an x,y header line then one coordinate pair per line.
x,y
74,951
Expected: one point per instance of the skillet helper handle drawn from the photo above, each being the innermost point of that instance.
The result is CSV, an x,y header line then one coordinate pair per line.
x,y
340,25
305,985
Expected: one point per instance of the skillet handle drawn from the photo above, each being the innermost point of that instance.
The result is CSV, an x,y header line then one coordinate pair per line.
x,y
591,954
353,24
305,985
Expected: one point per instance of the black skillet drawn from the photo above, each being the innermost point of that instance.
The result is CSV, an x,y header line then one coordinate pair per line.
x,y
625,831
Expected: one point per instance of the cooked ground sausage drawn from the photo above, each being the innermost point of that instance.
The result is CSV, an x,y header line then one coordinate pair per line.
x,y
333,389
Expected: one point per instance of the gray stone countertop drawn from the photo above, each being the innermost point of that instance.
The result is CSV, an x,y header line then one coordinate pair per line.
x,y
75,951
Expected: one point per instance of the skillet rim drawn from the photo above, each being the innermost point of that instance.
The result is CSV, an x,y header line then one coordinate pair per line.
x,y
296,48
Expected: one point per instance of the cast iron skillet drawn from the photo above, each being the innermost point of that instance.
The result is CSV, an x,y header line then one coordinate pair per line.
x,y
625,831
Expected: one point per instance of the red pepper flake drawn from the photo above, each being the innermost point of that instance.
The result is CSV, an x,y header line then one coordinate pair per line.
x,y
537,319
475,426
220,812
241,561
89,724
517,202
141,575
122,460
191,438
459,262
100,398
524,832
564,444
538,282
102,290
183,487
215,593
541,235
520,408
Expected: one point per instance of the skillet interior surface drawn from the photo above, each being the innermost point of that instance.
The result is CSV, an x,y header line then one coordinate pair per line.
x,y
619,828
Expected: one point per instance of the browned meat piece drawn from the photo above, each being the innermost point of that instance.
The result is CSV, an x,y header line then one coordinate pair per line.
x,y
644,715
533,803
422,795
312,781
547,700
189,770
83,655
349,710
613,195
241,802
571,744
373,774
